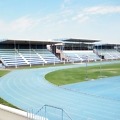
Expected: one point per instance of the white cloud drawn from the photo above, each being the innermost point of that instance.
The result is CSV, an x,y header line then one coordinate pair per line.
x,y
66,12
26,23
80,18
85,14
56,18
20,25
39,26
2,24
83,19
102,10
62,21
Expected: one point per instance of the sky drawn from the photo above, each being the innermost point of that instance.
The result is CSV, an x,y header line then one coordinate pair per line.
x,y
60,19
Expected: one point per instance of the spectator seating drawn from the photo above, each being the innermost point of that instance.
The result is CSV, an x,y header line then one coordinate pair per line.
x,y
30,56
109,54
18,57
47,56
10,57
75,56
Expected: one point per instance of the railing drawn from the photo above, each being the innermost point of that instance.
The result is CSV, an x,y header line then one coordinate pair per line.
x,y
48,112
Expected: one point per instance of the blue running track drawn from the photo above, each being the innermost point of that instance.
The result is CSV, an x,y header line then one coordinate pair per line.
x,y
105,87
29,89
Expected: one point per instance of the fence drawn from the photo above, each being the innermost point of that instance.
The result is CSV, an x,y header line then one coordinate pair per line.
x,y
48,112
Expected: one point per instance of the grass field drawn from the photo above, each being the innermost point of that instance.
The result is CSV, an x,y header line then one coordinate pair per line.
x,y
3,102
74,75
3,72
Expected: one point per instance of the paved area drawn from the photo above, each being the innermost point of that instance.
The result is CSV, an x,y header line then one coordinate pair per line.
x,y
5,115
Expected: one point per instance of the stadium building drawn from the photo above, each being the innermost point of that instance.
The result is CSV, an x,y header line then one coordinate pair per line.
x,y
80,50
14,53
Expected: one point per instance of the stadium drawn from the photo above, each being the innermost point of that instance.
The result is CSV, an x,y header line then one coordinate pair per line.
x,y
27,87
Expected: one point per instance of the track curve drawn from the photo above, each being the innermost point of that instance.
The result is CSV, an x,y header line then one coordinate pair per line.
x,y
29,89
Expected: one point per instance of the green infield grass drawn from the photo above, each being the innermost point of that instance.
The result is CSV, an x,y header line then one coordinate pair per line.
x,y
74,75
3,72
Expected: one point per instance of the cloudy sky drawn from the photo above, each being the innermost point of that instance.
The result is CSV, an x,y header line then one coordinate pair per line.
x,y
56,19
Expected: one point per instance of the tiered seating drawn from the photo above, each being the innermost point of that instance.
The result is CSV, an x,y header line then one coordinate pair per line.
x,y
115,54
72,56
30,56
88,55
93,56
10,57
15,57
81,55
48,56
109,53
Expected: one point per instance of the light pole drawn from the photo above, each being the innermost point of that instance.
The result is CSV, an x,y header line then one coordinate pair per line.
x,y
30,53
15,55
101,61
86,76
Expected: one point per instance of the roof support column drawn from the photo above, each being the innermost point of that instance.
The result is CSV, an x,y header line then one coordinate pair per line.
x,y
15,54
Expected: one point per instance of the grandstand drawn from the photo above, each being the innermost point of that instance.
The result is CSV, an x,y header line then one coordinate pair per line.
x,y
26,52
107,51
78,50
15,53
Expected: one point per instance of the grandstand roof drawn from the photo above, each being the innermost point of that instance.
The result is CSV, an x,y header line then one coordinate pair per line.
x,y
80,40
106,44
26,41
